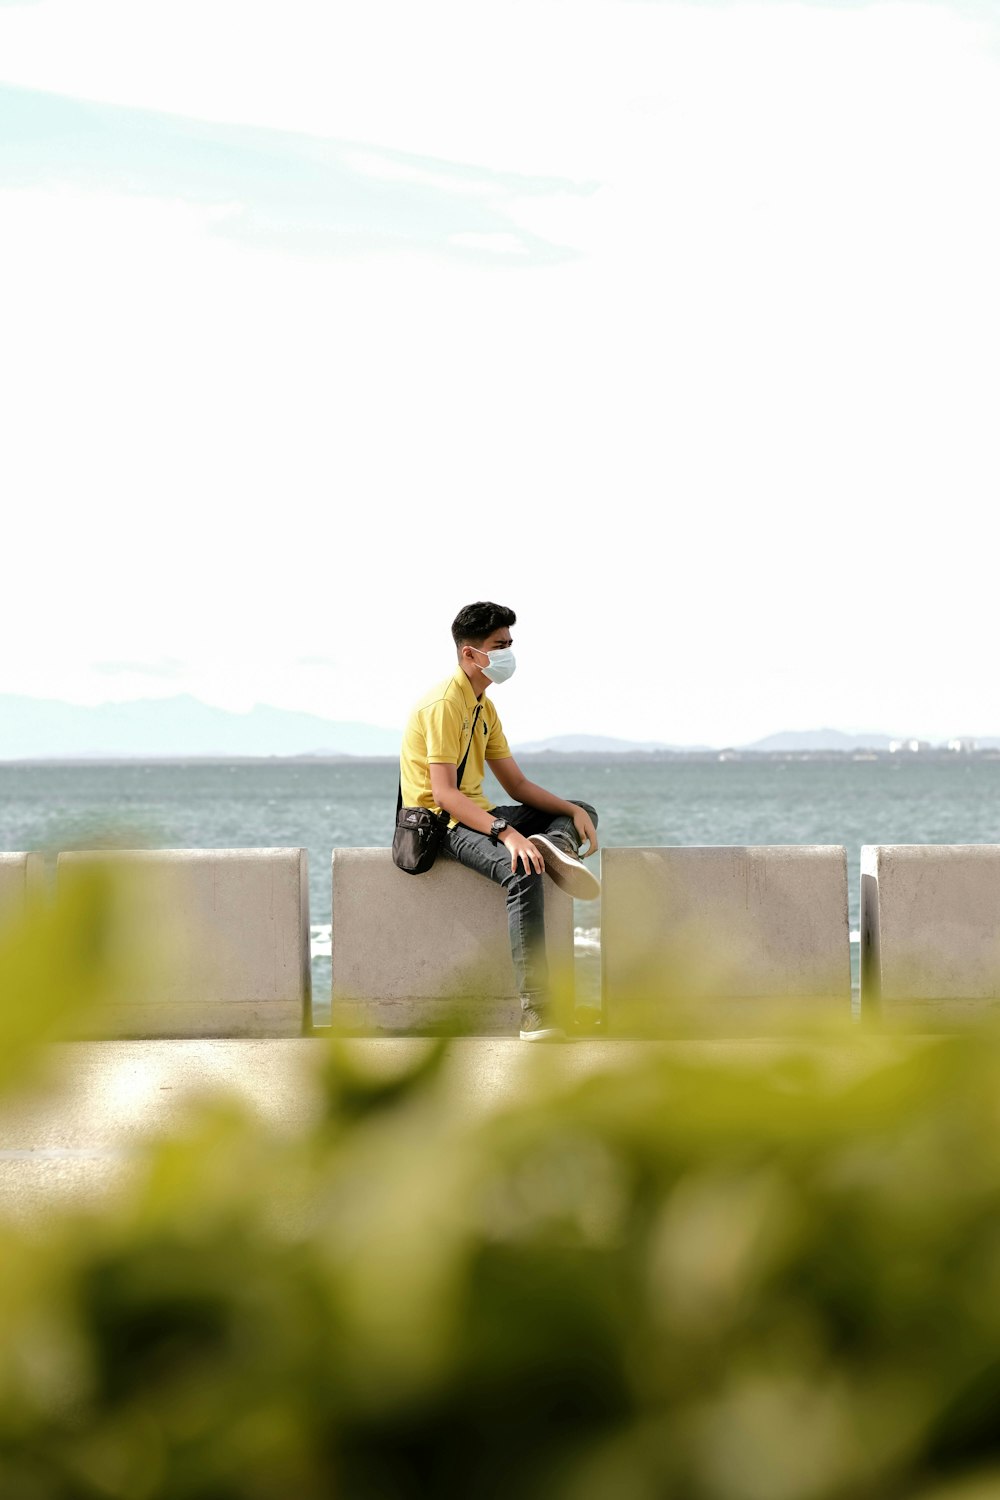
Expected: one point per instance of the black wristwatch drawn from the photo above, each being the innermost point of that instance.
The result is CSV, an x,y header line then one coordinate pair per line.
x,y
499,824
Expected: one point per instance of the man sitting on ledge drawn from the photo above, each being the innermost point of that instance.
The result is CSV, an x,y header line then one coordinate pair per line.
x,y
540,832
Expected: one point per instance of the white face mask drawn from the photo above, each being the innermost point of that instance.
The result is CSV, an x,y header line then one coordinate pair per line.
x,y
501,664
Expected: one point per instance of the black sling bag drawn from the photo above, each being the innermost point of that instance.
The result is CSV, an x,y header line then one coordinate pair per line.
x,y
419,831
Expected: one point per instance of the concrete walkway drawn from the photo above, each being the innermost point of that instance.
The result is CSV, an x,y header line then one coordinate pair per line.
x,y
76,1134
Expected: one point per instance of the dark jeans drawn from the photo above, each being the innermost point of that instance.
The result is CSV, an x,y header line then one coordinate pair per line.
x,y
525,893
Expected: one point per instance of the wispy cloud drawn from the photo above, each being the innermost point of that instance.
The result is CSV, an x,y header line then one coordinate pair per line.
x,y
984,9
164,667
277,188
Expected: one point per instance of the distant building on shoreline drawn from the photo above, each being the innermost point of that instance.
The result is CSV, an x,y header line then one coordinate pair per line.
x,y
909,747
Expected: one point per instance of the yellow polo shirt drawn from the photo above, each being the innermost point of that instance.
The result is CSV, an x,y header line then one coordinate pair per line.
x,y
437,733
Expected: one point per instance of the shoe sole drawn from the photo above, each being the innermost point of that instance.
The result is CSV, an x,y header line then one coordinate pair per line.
x,y
569,874
547,1034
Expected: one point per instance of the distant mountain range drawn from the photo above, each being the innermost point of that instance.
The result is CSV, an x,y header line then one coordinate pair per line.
x,y
596,744
834,739
44,729
821,739
789,740
183,727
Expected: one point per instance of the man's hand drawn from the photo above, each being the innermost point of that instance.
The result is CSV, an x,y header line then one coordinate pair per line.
x,y
587,832
523,851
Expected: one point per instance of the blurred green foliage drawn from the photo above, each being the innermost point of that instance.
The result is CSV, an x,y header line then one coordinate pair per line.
x,y
747,1273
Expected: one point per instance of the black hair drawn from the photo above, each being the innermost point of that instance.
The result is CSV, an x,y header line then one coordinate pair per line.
x,y
475,622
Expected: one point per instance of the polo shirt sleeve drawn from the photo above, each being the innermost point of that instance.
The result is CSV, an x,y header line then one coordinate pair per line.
x,y
442,726
497,747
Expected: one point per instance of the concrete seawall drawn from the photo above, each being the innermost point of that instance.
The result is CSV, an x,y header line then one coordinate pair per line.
x,y
930,933
412,953
221,937
704,936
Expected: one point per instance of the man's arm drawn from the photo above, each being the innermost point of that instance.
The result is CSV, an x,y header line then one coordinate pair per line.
x,y
444,790
520,789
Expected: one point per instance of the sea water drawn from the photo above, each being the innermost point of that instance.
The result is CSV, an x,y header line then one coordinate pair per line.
x,y
320,805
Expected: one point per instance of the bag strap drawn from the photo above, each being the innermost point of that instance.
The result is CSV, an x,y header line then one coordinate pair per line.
x,y
472,736
461,769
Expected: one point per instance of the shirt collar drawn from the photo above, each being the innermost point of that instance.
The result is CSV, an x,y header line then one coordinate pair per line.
x,y
466,687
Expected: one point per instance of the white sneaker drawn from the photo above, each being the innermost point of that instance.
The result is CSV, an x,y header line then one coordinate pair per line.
x,y
538,1024
567,870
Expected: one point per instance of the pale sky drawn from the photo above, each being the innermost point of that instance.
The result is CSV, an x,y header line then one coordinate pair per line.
x,y
676,327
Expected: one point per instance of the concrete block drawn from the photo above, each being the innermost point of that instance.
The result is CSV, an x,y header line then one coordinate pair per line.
x,y
21,876
418,953
930,932
219,939
732,940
